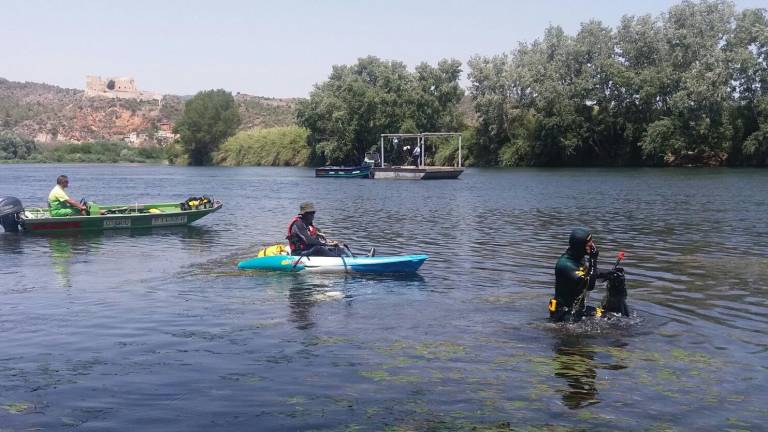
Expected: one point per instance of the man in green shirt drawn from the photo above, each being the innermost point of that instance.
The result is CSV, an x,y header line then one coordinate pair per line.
x,y
59,203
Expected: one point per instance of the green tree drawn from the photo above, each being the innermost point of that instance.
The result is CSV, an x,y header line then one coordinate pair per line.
x,y
688,86
346,114
496,100
436,96
13,146
698,97
747,50
209,118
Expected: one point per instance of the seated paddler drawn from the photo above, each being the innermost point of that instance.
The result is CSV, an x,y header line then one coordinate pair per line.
x,y
60,204
305,239
575,274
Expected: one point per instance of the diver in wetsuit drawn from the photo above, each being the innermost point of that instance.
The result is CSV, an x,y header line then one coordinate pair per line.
x,y
574,277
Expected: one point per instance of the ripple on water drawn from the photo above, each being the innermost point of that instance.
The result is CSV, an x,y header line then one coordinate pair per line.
x,y
158,330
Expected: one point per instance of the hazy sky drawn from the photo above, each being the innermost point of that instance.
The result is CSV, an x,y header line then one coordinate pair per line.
x,y
277,49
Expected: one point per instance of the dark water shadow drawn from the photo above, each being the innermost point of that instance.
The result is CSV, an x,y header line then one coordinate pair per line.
x,y
11,243
580,350
574,362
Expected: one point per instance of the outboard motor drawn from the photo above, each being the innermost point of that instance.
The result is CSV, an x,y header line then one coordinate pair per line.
x,y
10,213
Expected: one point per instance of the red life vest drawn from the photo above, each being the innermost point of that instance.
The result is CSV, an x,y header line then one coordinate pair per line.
x,y
295,243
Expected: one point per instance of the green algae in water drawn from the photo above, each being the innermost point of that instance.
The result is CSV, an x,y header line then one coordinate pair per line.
x,y
384,376
17,407
403,361
689,357
504,299
537,391
585,415
244,378
736,422
71,422
294,400
662,427
440,350
667,375
395,347
376,375
517,405
331,340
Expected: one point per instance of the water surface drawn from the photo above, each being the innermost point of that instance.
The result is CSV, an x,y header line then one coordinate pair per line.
x,y
157,330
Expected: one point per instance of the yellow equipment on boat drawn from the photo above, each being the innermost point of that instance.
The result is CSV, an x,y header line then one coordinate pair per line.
x,y
278,249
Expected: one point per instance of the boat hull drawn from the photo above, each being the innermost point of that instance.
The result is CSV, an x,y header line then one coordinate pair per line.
x,y
383,264
413,173
362,171
136,217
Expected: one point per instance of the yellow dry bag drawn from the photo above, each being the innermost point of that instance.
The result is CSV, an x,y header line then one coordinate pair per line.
x,y
277,249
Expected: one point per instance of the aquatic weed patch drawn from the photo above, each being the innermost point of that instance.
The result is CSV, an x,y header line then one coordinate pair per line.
x,y
441,350
17,407
384,376
513,298
244,378
328,340
685,379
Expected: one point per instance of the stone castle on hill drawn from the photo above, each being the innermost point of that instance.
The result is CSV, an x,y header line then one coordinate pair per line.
x,y
116,88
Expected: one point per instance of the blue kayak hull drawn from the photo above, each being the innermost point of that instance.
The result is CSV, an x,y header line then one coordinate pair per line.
x,y
383,264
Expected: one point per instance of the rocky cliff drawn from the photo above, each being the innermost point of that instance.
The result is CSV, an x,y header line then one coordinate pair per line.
x,y
51,114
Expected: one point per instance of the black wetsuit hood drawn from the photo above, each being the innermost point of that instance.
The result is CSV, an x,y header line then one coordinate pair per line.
x,y
577,243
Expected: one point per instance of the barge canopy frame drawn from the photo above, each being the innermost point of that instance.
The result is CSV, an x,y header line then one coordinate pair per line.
x,y
421,138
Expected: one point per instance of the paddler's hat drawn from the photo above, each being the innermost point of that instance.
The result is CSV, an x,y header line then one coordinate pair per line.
x,y
306,207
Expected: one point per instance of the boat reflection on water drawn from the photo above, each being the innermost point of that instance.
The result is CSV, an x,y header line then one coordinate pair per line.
x,y
61,256
306,290
70,248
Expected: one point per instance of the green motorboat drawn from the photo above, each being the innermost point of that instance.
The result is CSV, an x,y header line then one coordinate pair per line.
x,y
130,216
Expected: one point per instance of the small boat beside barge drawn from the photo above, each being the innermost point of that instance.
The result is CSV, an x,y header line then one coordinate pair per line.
x,y
364,170
360,171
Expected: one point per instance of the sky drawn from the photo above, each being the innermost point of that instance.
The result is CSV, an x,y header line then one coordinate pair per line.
x,y
271,48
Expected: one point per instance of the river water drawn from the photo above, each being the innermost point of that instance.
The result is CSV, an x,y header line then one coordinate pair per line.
x,y
158,331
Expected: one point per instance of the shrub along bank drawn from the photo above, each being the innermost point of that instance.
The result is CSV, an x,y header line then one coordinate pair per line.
x,y
279,146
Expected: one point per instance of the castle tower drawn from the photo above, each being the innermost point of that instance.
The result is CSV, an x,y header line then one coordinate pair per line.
x,y
116,88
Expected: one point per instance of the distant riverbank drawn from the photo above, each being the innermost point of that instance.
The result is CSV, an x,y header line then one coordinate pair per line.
x,y
15,150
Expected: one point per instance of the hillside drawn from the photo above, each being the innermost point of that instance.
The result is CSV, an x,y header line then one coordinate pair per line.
x,y
51,114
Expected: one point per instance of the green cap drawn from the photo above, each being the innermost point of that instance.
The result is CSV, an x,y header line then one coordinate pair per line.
x,y
306,207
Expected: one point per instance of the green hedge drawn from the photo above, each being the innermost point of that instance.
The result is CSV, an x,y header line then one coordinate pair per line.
x,y
279,146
